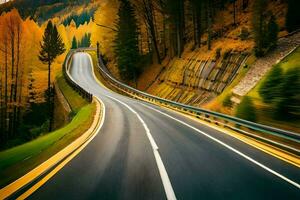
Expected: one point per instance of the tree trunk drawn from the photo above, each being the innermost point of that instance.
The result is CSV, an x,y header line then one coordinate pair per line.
x,y
178,39
6,87
209,22
15,117
49,96
149,18
197,25
12,42
1,105
234,12
164,37
245,4
180,26
19,118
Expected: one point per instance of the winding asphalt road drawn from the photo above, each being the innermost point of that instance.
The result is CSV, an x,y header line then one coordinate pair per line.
x,y
191,160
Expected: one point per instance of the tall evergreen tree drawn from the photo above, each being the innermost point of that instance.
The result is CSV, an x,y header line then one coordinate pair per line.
x,y
85,40
74,43
126,43
272,33
51,47
293,15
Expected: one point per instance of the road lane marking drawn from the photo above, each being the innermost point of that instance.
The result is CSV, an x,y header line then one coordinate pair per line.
x,y
271,150
8,190
40,183
161,168
230,148
220,142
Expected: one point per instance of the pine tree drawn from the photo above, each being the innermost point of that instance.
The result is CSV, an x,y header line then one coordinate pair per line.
x,y
74,43
88,39
79,43
51,47
293,15
126,43
272,34
57,42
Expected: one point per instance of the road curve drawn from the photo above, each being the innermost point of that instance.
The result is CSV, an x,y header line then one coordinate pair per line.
x,y
147,152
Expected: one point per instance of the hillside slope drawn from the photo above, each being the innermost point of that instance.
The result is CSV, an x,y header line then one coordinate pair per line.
x,y
200,74
218,79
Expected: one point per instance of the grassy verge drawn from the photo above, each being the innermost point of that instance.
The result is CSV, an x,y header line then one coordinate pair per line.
x,y
17,161
74,99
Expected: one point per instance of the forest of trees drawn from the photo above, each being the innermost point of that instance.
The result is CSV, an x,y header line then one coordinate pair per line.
x,y
146,32
126,43
12,75
85,41
276,91
168,25
80,19
29,8
23,113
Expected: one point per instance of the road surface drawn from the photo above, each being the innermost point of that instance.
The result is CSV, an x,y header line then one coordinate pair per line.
x,y
191,161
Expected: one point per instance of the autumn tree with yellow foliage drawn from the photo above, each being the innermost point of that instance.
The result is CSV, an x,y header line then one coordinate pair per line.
x,y
13,73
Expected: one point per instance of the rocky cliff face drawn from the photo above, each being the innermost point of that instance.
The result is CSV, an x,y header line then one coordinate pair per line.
x,y
195,80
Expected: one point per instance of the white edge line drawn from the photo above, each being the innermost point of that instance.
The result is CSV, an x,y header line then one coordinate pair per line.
x,y
230,148
161,168
154,146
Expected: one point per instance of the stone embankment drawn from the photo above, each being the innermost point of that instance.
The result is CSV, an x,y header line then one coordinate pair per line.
x,y
262,65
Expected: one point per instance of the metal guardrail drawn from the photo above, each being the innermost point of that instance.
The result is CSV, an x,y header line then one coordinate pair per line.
x,y
211,116
66,67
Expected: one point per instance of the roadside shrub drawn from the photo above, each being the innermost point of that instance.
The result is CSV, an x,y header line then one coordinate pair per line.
x,y
270,88
227,101
282,92
39,130
287,104
246,110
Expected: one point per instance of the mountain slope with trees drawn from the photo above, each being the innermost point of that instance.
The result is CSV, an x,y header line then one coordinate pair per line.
x,y
192,51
